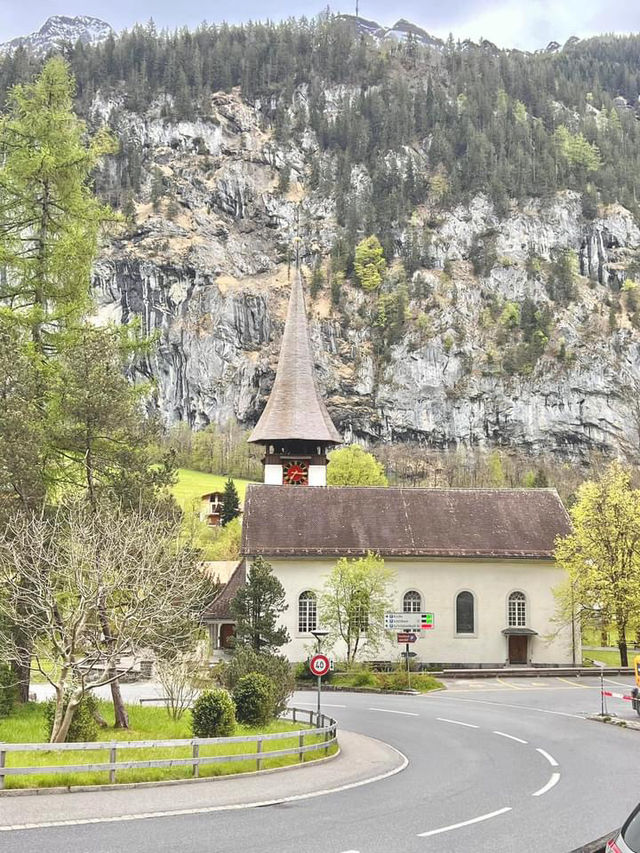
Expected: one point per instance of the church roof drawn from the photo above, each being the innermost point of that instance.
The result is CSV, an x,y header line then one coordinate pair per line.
x,y
295,409
352,520
220,607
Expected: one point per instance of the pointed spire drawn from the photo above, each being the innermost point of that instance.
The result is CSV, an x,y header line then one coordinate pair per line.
x,y
295,410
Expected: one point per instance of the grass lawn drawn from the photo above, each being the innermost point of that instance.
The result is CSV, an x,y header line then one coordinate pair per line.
x,y
611,656
192,485
27,725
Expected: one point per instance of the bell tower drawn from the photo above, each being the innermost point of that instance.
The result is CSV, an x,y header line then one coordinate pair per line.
x,y
295,427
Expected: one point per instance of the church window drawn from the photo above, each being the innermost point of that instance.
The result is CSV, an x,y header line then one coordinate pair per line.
x,y
517,616
465,616
307,612
412,602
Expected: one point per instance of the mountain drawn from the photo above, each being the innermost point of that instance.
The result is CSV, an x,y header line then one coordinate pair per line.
x,y
502,186
58,30
402,31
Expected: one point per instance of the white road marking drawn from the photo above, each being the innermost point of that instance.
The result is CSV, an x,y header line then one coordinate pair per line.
x,y
390,711
555,778
619,683
464,823
549,758
210,809
439,697
511,737
457,723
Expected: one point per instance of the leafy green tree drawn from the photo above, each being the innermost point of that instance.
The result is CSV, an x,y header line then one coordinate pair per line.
x,y
353,466
230,503
602,554
370,263
257,606
353,602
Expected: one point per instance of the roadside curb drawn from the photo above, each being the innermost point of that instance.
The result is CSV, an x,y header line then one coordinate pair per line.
x,y
612,720
362,761
596,846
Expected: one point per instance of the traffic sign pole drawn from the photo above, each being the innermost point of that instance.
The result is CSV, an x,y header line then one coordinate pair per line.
x,y
406,648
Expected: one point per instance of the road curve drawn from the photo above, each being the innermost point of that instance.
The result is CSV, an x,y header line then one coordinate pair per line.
x,y
495,766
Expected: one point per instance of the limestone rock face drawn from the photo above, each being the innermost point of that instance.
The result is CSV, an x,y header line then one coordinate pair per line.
x,y
210,279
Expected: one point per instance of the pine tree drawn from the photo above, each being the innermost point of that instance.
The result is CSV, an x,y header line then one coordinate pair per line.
x,y
230,503
257,606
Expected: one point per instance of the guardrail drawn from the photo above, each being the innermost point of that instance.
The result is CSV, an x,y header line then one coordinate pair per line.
x,y
322,725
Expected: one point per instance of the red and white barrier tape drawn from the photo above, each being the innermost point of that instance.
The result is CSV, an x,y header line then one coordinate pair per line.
x,y
617,695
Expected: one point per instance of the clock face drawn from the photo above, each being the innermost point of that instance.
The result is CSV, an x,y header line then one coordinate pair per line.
x,y
296,473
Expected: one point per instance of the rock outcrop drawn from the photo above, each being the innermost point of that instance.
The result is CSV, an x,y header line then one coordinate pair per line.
x,y
206,272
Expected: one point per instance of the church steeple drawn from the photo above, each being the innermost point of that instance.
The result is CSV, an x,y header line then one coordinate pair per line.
x,y
295,425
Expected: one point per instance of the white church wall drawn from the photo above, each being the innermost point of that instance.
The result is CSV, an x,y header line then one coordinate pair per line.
x,y
439,582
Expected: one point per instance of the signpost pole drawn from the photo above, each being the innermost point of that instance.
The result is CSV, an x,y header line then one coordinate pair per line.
x,y
319,692
406,648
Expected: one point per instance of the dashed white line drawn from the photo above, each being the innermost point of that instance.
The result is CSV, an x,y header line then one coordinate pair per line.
x,y
457,723
439,697
555,778
511,737
390,711
549,758
464,823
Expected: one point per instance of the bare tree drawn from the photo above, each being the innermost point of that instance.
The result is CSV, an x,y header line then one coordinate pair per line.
x,y
181,678
67,574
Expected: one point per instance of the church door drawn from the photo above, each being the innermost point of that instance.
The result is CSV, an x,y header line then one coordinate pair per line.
x,y
517,649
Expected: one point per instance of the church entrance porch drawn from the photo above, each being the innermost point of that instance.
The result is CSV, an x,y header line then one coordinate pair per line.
x,y
518,645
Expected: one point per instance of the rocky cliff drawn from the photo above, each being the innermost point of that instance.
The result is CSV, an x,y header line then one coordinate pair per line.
x,y
487,352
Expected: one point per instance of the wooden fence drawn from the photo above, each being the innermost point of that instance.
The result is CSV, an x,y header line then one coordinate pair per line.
x,y
322,726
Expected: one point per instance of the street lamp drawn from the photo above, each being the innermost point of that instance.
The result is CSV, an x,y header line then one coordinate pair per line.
x,y
319,634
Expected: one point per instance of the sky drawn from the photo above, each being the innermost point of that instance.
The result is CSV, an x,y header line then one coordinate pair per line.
x,y
509,23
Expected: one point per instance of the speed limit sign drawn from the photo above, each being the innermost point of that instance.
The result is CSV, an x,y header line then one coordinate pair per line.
x,y
319,665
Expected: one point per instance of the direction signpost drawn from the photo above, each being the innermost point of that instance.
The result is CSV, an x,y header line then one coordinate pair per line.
x,y
409,626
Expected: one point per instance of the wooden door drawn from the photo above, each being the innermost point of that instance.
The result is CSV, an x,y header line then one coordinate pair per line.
x,y
226,633
517,649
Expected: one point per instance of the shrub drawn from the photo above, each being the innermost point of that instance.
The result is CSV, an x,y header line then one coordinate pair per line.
x,y
213,714
7,690
84,725
364,678
275,667
253,697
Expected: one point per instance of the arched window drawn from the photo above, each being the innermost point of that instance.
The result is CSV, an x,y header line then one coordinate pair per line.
x,y
517,616
412,602
307,612
465,616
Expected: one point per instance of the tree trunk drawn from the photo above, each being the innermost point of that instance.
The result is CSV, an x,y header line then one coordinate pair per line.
x,y
622,645
119,710
22,673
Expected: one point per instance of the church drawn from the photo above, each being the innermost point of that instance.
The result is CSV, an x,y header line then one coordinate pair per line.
x,y
480,560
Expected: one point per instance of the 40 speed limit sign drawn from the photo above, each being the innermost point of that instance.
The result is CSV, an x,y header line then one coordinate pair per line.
x,y
319,665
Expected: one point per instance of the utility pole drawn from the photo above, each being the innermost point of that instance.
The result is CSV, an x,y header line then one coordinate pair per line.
x,y
357,7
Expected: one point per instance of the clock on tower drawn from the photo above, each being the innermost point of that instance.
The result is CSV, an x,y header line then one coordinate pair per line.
x,y
296,473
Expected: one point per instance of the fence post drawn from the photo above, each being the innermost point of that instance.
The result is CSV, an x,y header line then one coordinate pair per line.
x,y
196,762
3,756
326,738
259,760
294,714
301,744
112,759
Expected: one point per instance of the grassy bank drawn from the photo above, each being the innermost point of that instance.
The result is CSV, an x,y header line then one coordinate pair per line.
x,y
27,725
191,485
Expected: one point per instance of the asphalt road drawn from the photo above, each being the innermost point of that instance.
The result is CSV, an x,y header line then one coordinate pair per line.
x,y
500,765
